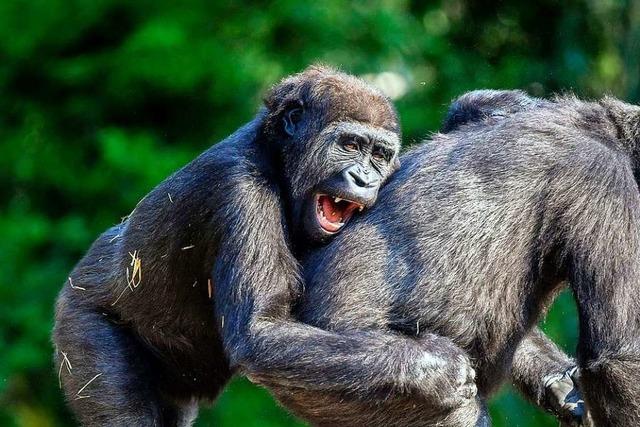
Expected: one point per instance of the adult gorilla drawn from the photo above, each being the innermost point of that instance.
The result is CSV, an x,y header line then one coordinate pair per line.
x,y
472,239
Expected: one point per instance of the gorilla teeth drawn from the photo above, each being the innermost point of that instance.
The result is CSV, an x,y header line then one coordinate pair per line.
x,y
338,200
334,212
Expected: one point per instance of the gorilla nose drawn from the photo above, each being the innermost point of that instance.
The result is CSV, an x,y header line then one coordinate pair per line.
x,y
361,182
361,178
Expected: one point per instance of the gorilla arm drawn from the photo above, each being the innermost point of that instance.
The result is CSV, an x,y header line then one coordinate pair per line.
x,y
256,278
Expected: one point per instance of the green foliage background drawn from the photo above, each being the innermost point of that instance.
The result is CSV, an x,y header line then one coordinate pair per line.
x,y
102,99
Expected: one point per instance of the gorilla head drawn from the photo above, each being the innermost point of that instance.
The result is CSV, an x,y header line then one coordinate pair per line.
x,y
338,140
486,106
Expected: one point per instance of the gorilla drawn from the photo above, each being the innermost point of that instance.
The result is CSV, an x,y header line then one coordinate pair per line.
x,y
199,280
469,243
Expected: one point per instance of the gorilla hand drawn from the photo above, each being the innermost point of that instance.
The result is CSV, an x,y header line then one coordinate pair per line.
x,y
446,378
563,395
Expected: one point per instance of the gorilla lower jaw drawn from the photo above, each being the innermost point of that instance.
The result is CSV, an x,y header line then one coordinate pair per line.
x,y
332,213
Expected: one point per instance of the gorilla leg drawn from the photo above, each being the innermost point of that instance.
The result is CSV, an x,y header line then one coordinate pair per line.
x,y
107,376
603,258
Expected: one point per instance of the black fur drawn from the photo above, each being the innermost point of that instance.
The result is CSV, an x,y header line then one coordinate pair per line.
x,y
198,281
536,357
468,244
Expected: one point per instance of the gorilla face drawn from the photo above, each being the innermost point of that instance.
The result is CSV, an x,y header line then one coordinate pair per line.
x,y
359,158
339,141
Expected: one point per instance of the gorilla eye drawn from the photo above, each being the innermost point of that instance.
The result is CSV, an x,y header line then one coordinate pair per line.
x,y
380,154
350,145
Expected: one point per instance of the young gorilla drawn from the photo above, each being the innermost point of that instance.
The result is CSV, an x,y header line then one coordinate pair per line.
x,y
472,239
137,340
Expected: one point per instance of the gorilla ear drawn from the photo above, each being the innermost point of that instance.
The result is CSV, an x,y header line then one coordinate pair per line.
x,y
292,117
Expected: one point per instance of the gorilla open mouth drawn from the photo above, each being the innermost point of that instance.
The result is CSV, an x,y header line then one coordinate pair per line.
x,y
333,213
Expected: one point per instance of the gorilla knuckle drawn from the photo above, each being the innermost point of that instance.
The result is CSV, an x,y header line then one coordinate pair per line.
x,y
446,382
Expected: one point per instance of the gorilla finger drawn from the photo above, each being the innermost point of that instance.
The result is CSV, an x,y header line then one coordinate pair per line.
x,y
471,375
468,391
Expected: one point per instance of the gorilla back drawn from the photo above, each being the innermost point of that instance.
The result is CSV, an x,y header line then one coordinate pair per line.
x,y
476,233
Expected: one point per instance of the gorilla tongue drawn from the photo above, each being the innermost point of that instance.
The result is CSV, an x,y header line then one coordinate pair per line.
x,y
333,215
